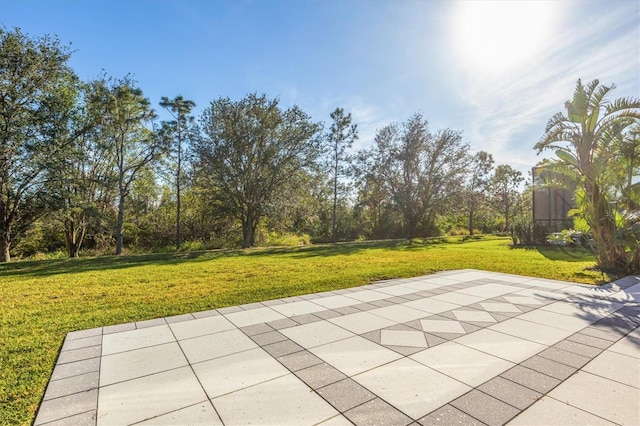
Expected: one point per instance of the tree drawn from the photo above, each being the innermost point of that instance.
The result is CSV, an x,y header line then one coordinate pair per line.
x,y
177,131
341,136
248,149
478,183
35,103
84,180
506,181
420,170
582,140
125,124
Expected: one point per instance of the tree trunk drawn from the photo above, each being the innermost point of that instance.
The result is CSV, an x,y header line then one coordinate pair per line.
x,y
119,225
471,211
249,224
335,205
178,216
178,188
5,245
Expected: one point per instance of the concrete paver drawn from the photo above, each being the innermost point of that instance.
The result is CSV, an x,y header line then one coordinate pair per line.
x,y
457,347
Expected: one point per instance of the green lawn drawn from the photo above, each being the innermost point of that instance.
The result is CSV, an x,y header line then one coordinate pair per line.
x,y
41,301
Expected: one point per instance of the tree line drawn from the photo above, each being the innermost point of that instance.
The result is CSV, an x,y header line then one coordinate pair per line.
x,y
87,165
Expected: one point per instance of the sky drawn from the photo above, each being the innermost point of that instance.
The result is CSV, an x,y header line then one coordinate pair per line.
x,y
494,70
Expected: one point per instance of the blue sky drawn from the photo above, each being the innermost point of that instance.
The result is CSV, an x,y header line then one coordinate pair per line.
x,y
497,71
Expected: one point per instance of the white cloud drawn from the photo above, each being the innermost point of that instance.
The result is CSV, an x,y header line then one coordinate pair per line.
x,y
509,112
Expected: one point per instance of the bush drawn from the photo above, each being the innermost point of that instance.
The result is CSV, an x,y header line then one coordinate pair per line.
x,y
286,239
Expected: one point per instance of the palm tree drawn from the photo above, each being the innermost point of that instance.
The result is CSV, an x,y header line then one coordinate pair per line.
x,y
582,140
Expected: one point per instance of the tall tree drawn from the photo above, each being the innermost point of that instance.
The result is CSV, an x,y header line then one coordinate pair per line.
x,y
126,122
420,170
178,132
583,139
506,182
249,148
481,165
35,104
84,179
341,136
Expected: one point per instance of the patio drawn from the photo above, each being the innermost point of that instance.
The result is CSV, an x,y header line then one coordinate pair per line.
x,y
457,347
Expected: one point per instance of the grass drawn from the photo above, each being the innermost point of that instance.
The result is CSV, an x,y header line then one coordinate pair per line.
x,y
41,301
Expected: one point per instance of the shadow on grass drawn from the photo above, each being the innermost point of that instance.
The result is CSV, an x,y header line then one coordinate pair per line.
x,y
566,254
43,268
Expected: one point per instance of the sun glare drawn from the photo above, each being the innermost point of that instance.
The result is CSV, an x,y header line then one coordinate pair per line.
x,y
494,37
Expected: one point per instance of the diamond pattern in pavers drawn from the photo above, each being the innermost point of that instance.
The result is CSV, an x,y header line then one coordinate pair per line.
x,y
510,392
398,313
200,327
216,345
467,365
551,412
139,399
442,326
377,412
473,316
523,300
136,339
276,402
485,408
490,320
500,307
538,333
414,338
316,334
602,397
411,387
488,291
253,316
361,322
621,368
449,415
140,362
202,414
501,345
345,394
354,355
234,372
431,306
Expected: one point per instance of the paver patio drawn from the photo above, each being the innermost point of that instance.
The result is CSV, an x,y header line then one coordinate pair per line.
x,y
457,347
